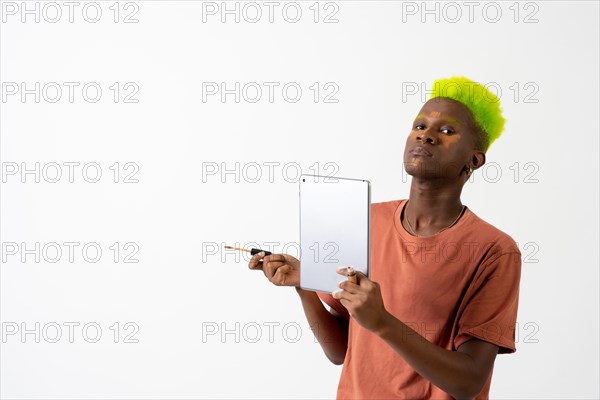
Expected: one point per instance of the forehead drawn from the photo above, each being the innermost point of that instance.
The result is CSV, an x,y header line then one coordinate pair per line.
x,y
447,109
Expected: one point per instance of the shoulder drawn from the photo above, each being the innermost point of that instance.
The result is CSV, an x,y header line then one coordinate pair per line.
x,y
385,208
499,241
384,205
497,253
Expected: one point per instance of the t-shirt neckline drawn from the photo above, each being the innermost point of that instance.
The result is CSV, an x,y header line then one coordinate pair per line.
x,y
406,235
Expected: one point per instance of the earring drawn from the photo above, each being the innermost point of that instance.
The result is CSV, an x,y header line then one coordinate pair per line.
x,y
470,171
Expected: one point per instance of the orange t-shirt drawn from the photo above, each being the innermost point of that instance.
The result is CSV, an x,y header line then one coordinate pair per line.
x,y
458,284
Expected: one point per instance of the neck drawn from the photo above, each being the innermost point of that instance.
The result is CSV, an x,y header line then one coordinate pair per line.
x,y
432,206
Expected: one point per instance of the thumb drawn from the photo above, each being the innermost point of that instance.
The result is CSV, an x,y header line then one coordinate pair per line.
x,y
361,274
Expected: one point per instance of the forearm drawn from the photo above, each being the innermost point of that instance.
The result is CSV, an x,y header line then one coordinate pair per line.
x,y
451,371
330,331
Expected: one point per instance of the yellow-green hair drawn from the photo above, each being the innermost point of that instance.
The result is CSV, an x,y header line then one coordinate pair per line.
x,y
483,104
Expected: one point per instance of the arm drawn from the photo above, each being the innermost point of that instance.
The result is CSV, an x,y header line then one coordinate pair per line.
x,y
461,373
330,330
492,301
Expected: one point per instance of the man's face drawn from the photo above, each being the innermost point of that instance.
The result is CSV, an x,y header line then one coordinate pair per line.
x,y
445,130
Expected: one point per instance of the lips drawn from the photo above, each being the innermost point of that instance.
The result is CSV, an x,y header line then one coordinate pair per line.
x,y
420,151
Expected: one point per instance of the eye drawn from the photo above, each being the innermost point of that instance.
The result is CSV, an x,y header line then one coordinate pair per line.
x,y
419,125
450,131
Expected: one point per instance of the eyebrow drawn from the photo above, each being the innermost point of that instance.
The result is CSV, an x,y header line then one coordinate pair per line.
x,y
446,119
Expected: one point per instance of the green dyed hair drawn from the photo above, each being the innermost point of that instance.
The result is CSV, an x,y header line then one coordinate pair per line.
x,y
483,104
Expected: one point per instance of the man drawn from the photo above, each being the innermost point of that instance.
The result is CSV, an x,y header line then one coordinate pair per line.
x,y
443,295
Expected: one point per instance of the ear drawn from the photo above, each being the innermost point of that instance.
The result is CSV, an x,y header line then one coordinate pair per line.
x,y
478,159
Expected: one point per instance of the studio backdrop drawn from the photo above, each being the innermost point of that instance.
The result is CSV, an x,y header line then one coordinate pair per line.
x,y
140,137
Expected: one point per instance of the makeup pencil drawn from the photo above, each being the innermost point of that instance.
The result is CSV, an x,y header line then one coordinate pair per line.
x,y
251,251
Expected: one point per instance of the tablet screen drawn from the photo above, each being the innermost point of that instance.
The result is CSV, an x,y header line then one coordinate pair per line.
x,y
334,229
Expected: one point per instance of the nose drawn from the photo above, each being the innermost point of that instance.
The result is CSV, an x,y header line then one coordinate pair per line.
x,y
424,136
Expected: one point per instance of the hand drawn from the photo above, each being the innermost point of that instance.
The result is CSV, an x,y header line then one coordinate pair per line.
x,y
362,300
280,269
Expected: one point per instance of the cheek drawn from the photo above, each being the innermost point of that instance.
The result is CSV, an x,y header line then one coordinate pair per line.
x,y
451,142
409,139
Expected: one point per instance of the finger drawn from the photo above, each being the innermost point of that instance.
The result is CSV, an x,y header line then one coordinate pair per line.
x,y
348,305
342,270
255,261
351,278
363,279
341,295
271,267
258,266
274,257
363,276
349,287
345,269
281,274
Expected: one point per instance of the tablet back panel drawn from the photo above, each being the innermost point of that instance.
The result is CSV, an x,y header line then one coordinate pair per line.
x,y
334,229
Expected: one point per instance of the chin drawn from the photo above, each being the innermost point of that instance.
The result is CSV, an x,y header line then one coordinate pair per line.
x,y
410,168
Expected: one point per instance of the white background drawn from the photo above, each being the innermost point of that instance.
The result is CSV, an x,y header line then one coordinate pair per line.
x,y
184,284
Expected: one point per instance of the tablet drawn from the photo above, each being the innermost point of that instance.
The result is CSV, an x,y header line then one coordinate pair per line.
x,y
335,229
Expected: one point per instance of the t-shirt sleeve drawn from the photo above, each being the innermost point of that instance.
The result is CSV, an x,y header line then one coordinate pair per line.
x,y
335,304
490,312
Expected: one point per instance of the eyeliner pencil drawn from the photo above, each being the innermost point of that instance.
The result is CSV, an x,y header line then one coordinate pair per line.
x,y
251,251
351,274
